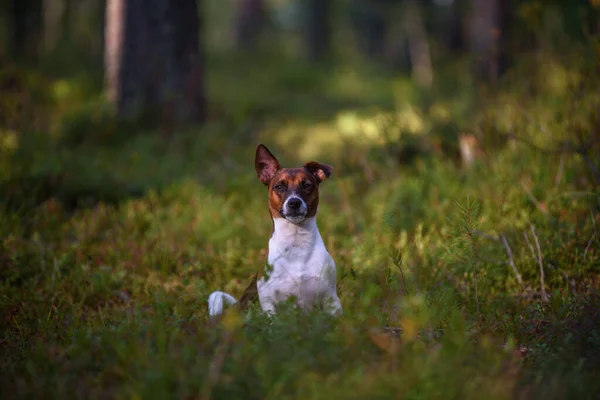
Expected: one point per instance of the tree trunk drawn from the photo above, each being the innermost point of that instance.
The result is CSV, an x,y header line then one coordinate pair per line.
x,y
448,25
153,59
249,22
25,30
485,35
371,26
66,22
418,44
505,23
318,29
53,14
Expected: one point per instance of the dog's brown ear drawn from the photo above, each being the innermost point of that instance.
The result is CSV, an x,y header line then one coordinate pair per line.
x,y
319,171
266,164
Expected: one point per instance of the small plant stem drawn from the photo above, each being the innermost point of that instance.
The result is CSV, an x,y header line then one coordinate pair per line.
x,y
216,364
587,248
475,276
539,260
470,232
561,167
511,260
403,279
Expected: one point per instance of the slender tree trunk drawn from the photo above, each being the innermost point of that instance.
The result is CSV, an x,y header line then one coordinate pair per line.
x,y
418,44
485,35
101,15
25,28
448,25
506,10
371,26
153,59
53,13
318,29
249,22
66,22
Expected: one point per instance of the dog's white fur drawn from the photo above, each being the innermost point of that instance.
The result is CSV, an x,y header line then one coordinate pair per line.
x,y
300,266
217,300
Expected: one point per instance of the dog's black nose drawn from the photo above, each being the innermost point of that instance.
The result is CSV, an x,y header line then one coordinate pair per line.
x,y
294,203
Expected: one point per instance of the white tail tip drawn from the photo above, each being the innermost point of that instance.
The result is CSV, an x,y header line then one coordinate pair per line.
x,y
216,301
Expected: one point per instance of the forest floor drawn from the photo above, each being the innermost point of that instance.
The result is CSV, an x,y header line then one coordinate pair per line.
x,y
456,282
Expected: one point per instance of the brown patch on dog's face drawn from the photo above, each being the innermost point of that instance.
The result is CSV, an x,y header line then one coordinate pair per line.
x,y
293,182
293,192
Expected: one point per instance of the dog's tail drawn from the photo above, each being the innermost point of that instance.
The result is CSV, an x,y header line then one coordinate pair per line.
x,y
216,301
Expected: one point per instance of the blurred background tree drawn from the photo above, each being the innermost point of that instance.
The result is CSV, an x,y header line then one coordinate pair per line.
x,y
25,29
154,59
250,21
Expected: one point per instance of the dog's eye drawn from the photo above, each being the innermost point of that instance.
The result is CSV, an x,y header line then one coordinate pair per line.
x,y
279,188
307,185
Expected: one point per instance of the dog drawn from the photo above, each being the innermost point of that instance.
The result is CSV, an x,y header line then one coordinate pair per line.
x,y
298,265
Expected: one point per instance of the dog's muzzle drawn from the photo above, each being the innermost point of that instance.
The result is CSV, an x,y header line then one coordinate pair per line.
x,y
294,209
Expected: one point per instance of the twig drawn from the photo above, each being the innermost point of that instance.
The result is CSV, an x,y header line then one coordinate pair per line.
x,y
565,146
493,261
569,146
535,257
403,279
529,295
216,364
540,262
475,257
581,149
485,235
529,244
561,167
587,248
538,204
458,285
510,260
591,166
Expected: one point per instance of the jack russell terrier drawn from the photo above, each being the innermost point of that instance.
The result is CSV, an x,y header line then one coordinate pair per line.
x,y
298,264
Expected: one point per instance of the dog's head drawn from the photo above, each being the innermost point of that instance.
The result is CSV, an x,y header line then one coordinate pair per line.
x,y
293,192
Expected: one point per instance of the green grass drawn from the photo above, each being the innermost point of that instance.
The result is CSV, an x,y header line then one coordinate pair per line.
x,y
113,237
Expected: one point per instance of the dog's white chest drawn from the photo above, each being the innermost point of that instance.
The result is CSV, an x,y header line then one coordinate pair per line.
x,y
300,266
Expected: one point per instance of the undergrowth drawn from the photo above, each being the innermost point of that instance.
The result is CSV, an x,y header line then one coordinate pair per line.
x,y
456,282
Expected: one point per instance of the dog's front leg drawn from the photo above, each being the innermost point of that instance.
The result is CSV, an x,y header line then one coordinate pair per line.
x,y
333,305
268,306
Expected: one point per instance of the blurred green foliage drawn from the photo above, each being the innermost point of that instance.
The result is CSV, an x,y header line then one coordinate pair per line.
x,y
113,234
